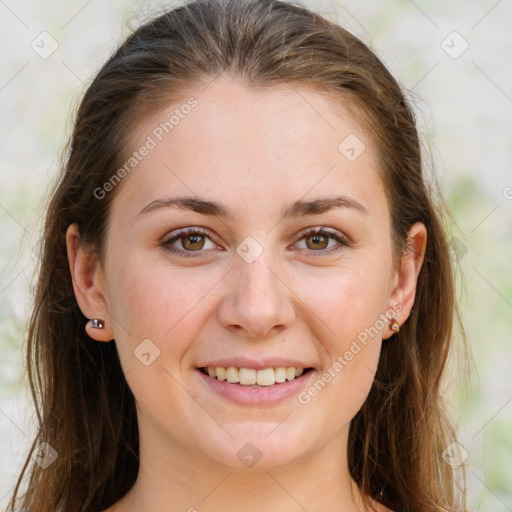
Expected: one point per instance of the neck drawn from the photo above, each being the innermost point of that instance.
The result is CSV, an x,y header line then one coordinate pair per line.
x,y
191,483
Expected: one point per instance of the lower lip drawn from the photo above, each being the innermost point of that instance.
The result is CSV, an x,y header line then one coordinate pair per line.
x,y
267,395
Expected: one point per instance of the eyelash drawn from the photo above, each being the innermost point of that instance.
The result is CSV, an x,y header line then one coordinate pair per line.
x,y
183,233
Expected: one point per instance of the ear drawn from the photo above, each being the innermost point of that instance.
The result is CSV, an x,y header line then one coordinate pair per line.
x,y
406,276
88,284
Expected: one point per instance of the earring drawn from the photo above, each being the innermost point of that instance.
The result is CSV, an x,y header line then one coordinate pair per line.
x,y
394,325
97,323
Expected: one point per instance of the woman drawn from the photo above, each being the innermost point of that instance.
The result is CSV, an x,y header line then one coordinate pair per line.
x,y
246,298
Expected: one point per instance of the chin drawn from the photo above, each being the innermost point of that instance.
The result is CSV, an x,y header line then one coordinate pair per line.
x,y
258,446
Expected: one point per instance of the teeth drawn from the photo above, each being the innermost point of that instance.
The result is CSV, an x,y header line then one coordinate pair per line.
x,y
232,375
247,376
266,377
252,377
290,373
280,374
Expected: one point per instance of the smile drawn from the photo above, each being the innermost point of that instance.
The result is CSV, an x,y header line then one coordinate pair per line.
x,y
253,377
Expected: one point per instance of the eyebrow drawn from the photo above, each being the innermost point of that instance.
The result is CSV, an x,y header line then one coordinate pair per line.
x,y
298,209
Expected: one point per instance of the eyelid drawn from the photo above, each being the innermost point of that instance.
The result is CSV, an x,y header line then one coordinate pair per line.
x,y
343,241
183,232
187,231
320,229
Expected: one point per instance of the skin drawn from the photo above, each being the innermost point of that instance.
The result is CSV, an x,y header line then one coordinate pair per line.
x,y
256,152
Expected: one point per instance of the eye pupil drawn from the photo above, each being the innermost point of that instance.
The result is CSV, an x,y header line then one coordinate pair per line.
x,y
193,239
318,239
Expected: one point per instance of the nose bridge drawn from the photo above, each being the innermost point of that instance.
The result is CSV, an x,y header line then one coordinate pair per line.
x,y
259,301
255,263
259,279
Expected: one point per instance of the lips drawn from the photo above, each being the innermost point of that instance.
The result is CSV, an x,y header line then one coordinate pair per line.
x,y
254,395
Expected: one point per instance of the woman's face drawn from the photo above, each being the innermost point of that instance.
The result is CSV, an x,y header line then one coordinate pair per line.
x,y
249,287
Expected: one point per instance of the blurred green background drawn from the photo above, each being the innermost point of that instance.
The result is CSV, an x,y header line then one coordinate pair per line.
x,y
452,57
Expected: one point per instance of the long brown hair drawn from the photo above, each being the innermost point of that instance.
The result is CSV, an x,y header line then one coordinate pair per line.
x,y
86,411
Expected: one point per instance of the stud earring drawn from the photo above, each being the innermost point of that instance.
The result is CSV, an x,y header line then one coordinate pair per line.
x,y
394,325
97,323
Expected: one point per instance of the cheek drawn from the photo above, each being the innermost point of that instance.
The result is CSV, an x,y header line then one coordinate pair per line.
x,y
163,304
347,301
168,307
341,390
348,309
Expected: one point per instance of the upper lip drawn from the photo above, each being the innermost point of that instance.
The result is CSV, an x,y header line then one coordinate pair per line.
x,y
260,364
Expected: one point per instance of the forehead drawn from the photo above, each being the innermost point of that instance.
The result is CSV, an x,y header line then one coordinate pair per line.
x,y
229,141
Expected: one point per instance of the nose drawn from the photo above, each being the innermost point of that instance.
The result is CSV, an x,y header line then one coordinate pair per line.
x,y
258,303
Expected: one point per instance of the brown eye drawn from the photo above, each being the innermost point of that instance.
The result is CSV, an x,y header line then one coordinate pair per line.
x,y
192,242
189,242
317,242
322,241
